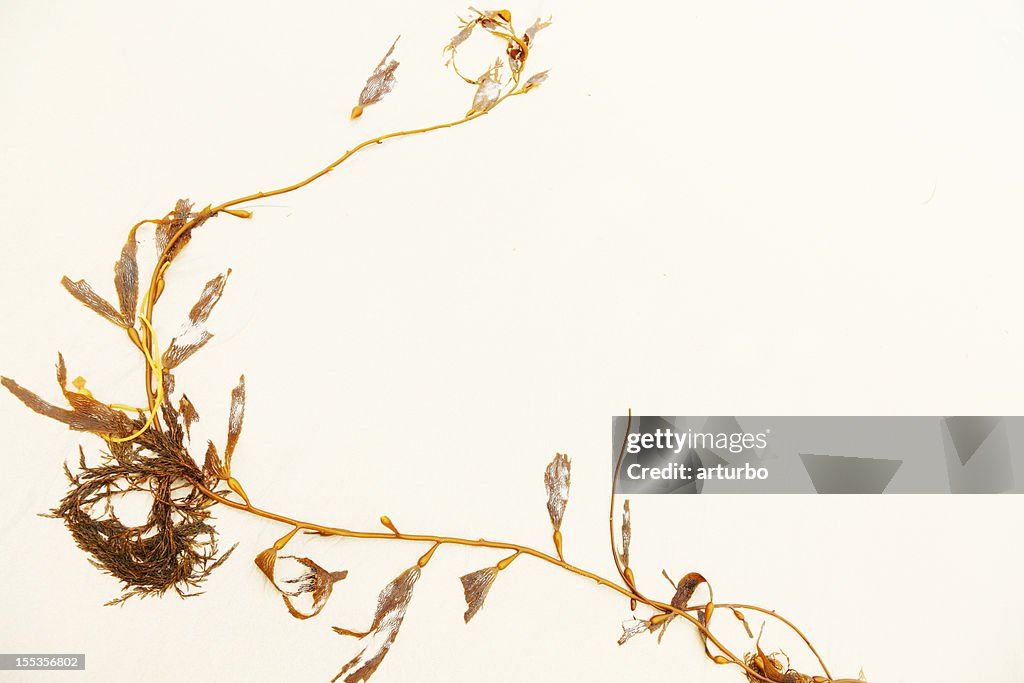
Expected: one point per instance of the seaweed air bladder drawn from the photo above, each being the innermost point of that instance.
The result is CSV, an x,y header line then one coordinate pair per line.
x,y
148,449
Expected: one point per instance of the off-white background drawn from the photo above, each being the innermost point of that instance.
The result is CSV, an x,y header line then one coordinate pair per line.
x,y
710,208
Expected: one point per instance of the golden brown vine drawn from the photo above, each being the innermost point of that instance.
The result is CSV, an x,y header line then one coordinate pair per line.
x,y
147,449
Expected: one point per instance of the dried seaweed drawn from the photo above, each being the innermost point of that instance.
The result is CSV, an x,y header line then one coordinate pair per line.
x,y
87,414
476,586
535,80
627,534
189,415
126,280
145,451
175,231
634,627
556,481
380,83
535,27
235,418
195,335
311,578
488,90
213,469
176,548
392,604
81,290
461,37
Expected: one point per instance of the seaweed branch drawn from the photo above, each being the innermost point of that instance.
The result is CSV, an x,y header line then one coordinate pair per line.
x,y
148,449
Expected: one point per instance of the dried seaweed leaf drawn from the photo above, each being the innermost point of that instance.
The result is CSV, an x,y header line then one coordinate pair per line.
x,y
685,588
535,80
168,228
189,414
34,402
90,411
126,280
461,37
265,560
379,84
490,19
87,414
168,379
314,580
392,604
235,419
213,470
556,481
94,416
195,334
633,627
528,36
211,294
488,89
184,345
627,534
81,290
476,586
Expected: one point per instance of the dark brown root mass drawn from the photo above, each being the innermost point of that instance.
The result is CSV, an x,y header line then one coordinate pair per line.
x,y
176,547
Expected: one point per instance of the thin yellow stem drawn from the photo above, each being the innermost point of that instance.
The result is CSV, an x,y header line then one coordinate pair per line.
x,y
340,160
153,360
611,507
484,543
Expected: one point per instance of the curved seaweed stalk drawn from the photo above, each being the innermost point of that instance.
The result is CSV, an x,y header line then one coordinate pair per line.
x,y
148,449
